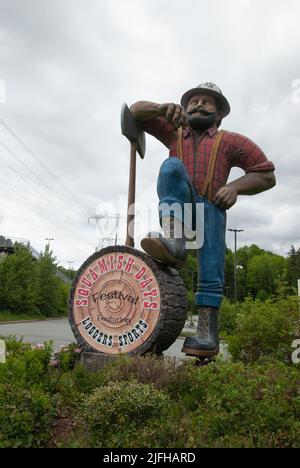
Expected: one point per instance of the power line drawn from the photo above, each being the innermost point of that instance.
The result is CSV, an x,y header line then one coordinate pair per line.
x,y
42,164
107,240
13,195
37,177
29,182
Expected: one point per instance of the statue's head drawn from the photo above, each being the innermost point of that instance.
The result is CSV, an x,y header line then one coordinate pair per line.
x,y
205,106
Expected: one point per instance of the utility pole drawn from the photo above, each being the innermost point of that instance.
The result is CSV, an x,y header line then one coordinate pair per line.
x,y
235,260
49,239
69,271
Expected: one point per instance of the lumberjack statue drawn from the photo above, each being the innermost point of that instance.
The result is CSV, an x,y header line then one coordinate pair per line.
x,y
197,170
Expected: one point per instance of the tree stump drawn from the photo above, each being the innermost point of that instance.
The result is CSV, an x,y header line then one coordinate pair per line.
x,y
124,302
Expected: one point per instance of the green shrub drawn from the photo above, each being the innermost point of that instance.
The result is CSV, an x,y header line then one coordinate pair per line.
x,y
265,329
228,317
25,417
149,402
144,369
86,381
26,366
246,406
15,346
26,409
115,413
67,357
221,405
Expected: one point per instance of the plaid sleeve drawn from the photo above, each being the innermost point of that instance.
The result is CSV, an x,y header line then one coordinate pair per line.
x,y
160,129
247,155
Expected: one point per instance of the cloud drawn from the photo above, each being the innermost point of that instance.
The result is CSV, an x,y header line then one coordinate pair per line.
x,y
68,67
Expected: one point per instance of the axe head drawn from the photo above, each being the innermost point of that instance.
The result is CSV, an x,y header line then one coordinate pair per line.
x,y
132,130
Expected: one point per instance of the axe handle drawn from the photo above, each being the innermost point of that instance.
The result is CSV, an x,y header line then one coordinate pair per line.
x,y
131,195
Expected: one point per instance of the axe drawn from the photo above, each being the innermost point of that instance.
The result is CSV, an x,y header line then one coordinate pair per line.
x,y
131,129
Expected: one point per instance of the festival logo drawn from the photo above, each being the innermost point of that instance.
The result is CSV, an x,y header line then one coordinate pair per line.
x,y
116,303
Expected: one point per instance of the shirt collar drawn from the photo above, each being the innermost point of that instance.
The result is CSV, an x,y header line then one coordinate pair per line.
x,y
210,132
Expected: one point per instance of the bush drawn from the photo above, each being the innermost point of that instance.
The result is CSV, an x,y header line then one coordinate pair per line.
x,y
265,329
143,369
25,403
114,414
246,406
228,317
221,405
25,417
147,402
14,345
67,357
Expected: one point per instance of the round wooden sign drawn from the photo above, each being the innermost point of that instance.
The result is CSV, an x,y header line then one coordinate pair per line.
x,y
122,301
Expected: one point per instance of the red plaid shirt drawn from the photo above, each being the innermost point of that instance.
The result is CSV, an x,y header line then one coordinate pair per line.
x,y
235,151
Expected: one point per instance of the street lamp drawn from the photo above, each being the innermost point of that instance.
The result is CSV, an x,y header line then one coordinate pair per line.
x,y
235,260
70,262
49,239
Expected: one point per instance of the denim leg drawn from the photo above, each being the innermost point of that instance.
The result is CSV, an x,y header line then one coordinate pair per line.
x,y
211,257
174,188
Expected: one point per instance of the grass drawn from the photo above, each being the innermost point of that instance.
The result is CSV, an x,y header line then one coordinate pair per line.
x,y
12,317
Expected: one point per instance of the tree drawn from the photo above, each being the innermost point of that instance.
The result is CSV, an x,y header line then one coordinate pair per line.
x,y
293,266
17,281
48,288
4,242
189,274
264,271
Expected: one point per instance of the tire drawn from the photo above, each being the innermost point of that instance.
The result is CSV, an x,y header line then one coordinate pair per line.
x,y
147,319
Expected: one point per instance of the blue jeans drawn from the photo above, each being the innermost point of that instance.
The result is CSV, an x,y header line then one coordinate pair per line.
x,y
174,186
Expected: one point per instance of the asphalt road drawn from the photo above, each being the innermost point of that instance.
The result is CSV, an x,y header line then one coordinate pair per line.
x,y
60,333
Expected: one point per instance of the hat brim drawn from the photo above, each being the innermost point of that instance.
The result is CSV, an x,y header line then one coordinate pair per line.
x,y
223,104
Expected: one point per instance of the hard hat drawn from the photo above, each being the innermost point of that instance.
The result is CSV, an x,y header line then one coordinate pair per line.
x,y
208,88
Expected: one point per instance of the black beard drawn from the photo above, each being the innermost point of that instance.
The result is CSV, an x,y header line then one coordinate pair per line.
x,y
202,122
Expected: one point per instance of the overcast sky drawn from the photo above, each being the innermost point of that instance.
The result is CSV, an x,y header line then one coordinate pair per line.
x,y
68,65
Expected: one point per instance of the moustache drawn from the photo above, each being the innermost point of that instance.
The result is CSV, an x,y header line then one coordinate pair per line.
x,y
200,109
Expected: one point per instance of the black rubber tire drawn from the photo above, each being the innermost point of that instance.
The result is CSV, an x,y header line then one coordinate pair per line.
x,y
173,310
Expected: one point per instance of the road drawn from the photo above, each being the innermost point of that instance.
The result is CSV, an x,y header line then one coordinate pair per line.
x,y
60,333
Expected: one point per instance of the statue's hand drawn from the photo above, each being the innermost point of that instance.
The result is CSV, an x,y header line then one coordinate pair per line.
x,y
226,197
174,113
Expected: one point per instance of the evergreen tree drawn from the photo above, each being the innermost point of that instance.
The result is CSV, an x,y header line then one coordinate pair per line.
x,y
293,269
48,294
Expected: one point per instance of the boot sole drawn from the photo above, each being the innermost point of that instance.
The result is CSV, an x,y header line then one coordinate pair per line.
x,y
158,251
198,352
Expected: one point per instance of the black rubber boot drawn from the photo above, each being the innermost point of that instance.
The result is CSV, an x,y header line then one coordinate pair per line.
x,y
206,342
